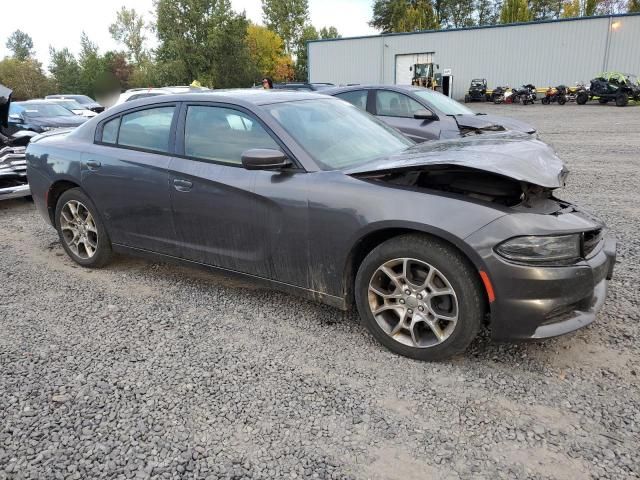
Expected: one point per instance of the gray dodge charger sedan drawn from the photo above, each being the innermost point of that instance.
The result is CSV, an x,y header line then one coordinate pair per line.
x,y
311,195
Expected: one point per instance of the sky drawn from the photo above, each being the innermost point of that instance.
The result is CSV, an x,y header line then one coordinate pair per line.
x,y
59,23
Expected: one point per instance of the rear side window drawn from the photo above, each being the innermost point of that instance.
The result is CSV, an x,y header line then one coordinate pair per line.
x,y
222,134
394,104
357,98
148,129
110,131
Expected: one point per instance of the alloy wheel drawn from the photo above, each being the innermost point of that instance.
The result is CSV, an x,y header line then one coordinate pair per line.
x,y
79,229
413,302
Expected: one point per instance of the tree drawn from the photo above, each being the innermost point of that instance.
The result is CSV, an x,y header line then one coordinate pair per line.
x,y
25,78
128,29
21,44
633,6
488,12
579,8
309,33
230,56
287,18
65,70
514,11
404,15
266,50
460,13
329,32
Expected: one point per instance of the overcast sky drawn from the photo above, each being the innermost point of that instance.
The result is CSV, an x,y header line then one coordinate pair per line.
x,y
60,22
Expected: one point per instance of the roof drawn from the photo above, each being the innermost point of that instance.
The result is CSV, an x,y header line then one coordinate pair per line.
x,y
449,30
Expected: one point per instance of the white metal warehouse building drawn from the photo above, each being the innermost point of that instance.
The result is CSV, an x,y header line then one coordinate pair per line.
x,y
547,53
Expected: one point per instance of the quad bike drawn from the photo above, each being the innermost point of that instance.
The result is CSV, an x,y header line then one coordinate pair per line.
x,y
13,164
611,86
572,93
523,95
501,94
477,91
555,95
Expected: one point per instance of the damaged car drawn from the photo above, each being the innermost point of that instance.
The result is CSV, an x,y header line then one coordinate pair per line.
x,y
13,164
424,114
311,195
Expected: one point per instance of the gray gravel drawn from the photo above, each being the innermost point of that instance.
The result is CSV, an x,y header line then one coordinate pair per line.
x,y
144,370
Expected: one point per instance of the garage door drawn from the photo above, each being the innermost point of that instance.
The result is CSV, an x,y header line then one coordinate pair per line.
x,y
405,63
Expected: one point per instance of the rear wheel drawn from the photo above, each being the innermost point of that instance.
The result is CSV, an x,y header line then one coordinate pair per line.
x,y
419,297
562,100
545,101
582,98
81,231
622,99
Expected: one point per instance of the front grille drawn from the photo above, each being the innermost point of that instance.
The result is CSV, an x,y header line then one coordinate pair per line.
x,y
13,162
591,242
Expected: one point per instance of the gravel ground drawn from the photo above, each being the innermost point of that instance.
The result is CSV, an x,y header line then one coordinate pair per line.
x,y
145,370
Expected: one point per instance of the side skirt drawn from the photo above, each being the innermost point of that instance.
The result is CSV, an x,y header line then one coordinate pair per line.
x,y
309,294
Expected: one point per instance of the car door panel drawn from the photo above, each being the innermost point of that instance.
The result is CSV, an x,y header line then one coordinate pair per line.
x,y
396,109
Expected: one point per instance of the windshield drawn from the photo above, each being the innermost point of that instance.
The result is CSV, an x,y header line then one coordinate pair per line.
x,y
43,110
83,99
443,103
336,134
70,104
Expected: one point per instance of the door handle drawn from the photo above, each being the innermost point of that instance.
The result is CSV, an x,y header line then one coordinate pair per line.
x,y
182,185
93,164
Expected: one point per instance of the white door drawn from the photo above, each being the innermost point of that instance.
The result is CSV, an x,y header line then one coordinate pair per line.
x,y
405,63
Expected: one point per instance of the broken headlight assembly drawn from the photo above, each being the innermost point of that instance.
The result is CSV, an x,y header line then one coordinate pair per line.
x,y
542,250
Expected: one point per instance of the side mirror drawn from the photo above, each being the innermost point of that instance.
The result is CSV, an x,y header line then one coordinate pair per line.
x,y
424,114
264,159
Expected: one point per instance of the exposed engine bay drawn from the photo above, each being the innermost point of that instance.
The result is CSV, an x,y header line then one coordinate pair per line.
x,y
477,184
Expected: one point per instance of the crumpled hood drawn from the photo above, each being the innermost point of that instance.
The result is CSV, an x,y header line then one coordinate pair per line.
x,y
5,102
490,121
66,121
511,154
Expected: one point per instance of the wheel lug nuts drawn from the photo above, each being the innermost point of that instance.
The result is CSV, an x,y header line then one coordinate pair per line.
x,y
402,301
419,297
409,311
421,309
408,292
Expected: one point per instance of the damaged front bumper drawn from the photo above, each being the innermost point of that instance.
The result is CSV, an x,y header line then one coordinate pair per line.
x,y
536,302
13,173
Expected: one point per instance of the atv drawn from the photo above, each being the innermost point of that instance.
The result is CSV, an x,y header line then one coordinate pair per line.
x,y
477,91
611,86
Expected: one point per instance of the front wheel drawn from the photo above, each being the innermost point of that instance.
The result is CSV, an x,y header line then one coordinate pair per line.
x,y
419,297
582,98
545,101
562,100
81,231
622,100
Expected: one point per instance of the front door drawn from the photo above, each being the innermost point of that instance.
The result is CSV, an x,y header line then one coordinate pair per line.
x,y
230,217
126,175
397,109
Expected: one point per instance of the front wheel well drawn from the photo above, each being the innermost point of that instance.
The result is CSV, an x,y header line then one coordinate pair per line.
x,y
57,189
373,239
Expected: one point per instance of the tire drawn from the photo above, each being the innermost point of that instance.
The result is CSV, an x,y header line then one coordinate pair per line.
x,y
467,99
562,100
423,254
545,101
582,98
94,248
622,99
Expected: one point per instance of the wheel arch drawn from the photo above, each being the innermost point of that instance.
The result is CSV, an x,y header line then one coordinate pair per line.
x,y
371,239
53,194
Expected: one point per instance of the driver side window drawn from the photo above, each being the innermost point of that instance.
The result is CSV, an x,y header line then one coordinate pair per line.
x,y
395,104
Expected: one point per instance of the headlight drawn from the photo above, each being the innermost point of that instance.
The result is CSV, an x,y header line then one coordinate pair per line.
x,y
559,249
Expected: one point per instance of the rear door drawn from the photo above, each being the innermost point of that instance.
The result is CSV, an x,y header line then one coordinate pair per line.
x,y
227,216
358,98
126,175
397,109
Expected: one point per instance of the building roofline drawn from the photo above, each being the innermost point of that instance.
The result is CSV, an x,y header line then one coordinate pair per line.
x,y
483,27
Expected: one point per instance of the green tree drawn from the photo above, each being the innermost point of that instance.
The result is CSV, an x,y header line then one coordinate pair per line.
x,y
544,9
579,8
266,50
487,12
65,70
460,13
514,11
633,6
128,29
232,66
329,32
287,18
406,15
21,44
309,33
25,78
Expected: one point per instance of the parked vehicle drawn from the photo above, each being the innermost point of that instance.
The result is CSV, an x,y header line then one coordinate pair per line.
x,y
41,116
423,114
138,93
302,86
311,195
524,95
556,95
477,91
612,86
500,94
73,106
572,93
13,165
532,89
87,102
